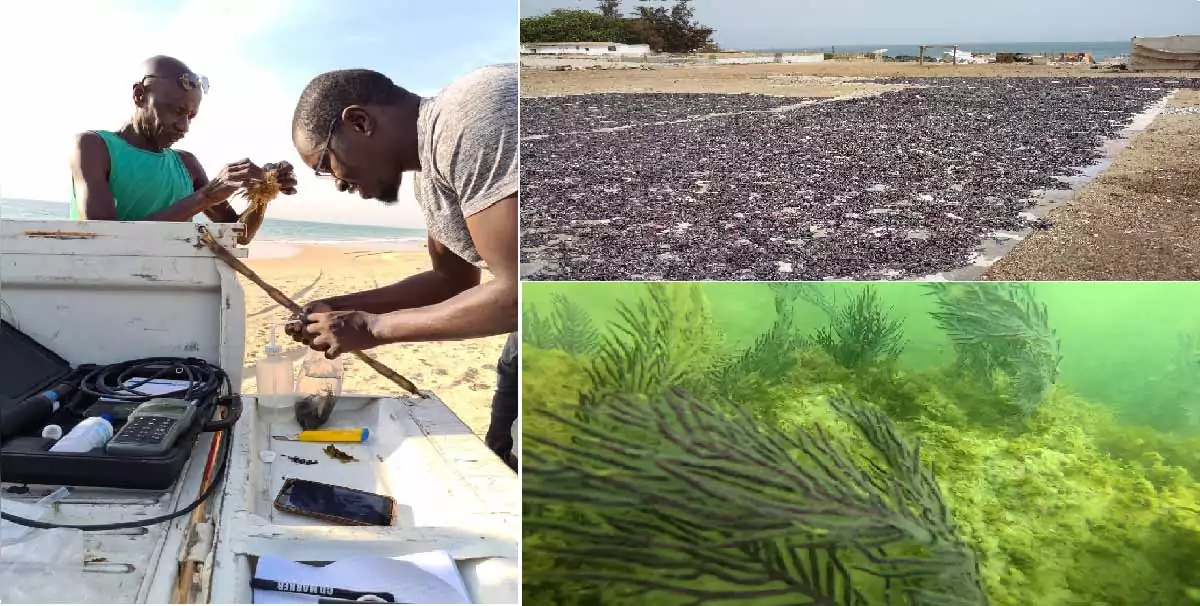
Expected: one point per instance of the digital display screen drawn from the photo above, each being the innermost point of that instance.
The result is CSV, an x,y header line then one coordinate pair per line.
x,y
324,499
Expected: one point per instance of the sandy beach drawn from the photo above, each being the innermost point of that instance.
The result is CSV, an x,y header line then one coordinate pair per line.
x,y
461,373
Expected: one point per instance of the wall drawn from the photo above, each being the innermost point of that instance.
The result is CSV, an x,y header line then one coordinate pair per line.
x,y
1169,53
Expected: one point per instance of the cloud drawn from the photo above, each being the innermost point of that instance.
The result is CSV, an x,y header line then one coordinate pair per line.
x,y
68,67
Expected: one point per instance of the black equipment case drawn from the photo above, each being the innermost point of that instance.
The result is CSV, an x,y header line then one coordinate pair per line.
x,y
26,369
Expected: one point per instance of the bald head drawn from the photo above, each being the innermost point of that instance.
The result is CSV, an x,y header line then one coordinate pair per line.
x,y
162,65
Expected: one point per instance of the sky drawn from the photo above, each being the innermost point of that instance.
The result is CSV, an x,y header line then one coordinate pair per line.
x,y
68,66
761,24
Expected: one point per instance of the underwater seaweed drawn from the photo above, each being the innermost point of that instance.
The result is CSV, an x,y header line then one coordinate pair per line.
x,y
769,358
823,298
537,330
569,328
1170,401
575,332
665,339
1000,329
721,507
862,333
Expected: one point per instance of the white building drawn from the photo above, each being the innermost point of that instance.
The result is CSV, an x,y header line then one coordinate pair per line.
x,y
592,49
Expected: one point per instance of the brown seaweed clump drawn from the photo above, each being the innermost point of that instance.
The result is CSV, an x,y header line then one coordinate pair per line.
x,y
262,193
313,411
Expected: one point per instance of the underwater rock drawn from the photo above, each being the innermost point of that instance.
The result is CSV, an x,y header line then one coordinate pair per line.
x,y
979,147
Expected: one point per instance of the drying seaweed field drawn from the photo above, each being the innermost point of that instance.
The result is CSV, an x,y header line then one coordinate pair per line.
x,y
583,113
749,187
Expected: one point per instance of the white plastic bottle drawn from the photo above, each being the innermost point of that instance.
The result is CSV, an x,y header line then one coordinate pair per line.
x,y
88,435
276,381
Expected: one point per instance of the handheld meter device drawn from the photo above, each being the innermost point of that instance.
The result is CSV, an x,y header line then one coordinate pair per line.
x,y
153,428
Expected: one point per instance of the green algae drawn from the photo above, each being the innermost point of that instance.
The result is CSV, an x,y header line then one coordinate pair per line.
x,y
1063,500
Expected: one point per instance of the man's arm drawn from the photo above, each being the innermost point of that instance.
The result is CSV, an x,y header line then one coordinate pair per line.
x,y
484,310
89,168
451,275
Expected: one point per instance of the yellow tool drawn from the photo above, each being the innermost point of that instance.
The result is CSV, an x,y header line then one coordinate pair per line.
x,y
328,435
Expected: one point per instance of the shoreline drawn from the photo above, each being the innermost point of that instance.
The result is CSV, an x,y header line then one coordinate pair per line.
x,y
287,249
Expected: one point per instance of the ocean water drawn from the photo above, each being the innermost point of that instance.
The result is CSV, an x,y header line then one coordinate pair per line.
x,y
273,230
1058,427
1099,50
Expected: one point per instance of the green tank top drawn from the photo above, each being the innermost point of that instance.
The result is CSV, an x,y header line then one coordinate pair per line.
x,y
142,182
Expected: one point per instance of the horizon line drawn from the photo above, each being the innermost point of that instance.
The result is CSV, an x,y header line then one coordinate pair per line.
x,y
416,229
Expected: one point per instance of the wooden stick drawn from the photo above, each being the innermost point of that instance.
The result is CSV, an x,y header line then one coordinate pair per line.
x,y
291,306
183,584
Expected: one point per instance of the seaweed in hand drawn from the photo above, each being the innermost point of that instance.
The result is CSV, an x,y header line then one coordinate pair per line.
x,y
1000,328
704,503
263,192
862,333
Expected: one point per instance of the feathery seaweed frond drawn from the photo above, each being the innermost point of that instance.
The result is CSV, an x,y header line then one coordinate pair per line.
x,y
767,361
569,328
862,333
702,502
574,330
537,330
821,297
1000,328
666,339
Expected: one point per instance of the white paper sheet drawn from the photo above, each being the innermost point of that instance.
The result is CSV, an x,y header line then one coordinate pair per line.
x,y
423,578
154,387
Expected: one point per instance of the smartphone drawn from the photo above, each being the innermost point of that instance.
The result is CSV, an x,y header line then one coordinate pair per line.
x,y
336,504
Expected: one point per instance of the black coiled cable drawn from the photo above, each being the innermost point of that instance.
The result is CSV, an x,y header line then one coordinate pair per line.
x,y
110,382
96,383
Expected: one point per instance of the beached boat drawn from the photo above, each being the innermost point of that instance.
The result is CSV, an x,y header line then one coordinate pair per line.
x,y
109,292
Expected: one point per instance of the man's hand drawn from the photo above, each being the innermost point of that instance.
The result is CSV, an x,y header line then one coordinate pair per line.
x,y
295,329
285,175
235,176
338,332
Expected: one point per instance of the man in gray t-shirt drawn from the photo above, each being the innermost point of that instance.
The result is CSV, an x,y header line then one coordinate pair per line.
x,y
359,129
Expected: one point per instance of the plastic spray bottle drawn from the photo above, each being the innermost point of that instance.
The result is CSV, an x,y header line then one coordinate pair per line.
x,y
274,374
88,435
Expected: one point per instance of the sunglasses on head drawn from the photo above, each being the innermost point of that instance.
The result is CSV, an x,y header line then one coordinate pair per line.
x,y
188,81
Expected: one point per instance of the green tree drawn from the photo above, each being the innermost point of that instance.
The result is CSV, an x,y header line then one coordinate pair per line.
x,y
665,29
610,9
564,25
673,30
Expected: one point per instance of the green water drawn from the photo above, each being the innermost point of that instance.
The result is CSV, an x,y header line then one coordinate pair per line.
x,y
1067,464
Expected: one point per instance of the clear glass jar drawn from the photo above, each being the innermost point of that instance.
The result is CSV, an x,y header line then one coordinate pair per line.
x,y
318,386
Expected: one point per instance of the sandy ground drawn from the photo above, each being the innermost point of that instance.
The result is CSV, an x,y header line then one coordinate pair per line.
x,y
804,80
1139,220
461,373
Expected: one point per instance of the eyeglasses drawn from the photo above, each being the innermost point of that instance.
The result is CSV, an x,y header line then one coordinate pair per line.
x,y
188,81
323,170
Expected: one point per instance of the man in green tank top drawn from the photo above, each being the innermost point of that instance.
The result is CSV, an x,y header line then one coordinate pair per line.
x,y
133,174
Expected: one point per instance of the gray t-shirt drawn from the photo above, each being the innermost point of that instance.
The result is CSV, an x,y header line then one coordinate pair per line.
x,y
468,145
